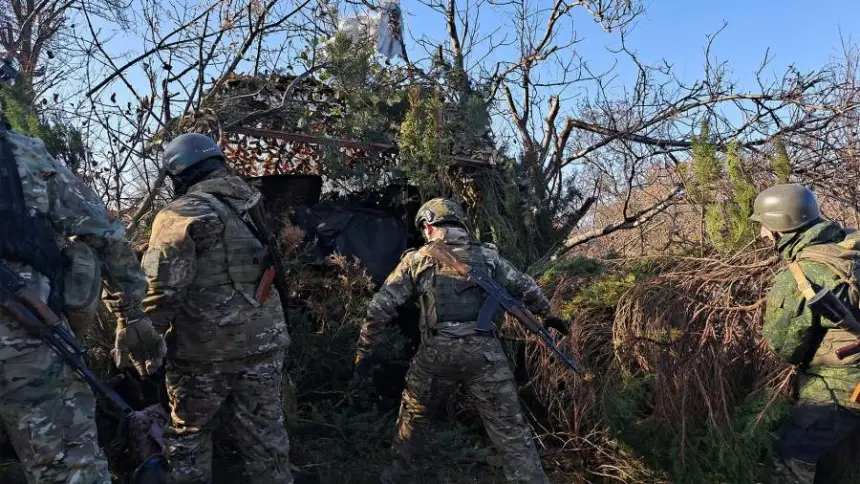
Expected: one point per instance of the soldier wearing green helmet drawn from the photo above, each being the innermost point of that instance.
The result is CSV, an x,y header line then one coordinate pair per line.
x,y
452,352
226,344
826,255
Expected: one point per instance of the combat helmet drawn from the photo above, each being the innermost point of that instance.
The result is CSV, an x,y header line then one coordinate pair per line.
x,y
438,211
187,150
786,208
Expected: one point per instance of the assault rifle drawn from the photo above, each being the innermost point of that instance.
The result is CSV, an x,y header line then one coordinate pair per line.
x,y
825,304
22,304
497,300
274,273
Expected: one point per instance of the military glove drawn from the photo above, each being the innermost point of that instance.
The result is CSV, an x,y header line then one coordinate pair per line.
x,y
137,343
557,323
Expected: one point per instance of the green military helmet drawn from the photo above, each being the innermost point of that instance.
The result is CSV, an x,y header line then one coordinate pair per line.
x,y
187,150
440,210
786,208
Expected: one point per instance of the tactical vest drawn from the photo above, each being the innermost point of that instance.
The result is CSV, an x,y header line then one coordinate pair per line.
x,y
456,299
843,260
239,263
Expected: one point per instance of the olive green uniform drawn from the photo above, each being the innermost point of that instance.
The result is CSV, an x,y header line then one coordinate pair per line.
x,y
452,354
823,416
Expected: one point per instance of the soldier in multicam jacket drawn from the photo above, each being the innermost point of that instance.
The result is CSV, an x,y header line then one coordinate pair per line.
x,y
225,349
452,352
46,410
822,417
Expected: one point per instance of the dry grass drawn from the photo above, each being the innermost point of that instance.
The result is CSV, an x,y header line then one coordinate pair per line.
x,y
673,347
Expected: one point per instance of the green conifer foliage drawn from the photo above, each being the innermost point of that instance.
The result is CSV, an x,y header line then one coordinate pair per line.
x,y
724,191
780,163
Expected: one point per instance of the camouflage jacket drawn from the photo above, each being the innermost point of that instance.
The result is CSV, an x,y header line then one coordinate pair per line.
x,y
415,275
73,210
793,333
206,320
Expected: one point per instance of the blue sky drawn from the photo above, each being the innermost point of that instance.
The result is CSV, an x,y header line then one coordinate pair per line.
x,y
805,34
797,33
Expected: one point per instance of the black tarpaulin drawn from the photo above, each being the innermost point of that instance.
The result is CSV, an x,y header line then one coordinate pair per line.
x,y
375,238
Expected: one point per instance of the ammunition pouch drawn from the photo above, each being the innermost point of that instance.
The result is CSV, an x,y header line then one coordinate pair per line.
x,y
834,339
82,285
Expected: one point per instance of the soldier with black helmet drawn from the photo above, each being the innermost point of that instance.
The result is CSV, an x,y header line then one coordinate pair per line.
x,y
226,342
452,352
820,255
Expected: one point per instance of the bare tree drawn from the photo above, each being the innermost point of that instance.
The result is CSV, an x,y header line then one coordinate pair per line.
x,y
170,82
579,142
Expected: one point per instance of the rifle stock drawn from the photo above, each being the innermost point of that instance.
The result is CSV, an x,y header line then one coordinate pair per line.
x,y
264,289
51,331
277,271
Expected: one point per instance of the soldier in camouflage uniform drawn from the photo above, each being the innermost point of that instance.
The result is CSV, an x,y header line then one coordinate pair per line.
x,y
828,257
46,410
225,349
452,352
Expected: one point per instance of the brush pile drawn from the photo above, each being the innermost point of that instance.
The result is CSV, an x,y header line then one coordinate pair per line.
x,y
680,386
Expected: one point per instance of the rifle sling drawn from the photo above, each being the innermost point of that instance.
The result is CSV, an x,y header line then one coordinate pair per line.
x,y
802,282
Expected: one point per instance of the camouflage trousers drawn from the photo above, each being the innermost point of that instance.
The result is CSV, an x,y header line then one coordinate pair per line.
x,y
481,366
813,430
248,395
47,413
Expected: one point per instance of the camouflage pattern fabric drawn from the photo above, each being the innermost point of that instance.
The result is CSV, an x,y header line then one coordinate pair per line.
x,y
46,410
794,333
479,364
452,354
823,412
48,415
225,353
415,275
247,394
205,321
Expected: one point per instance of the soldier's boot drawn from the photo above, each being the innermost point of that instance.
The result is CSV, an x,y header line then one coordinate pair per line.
x,y
792,471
